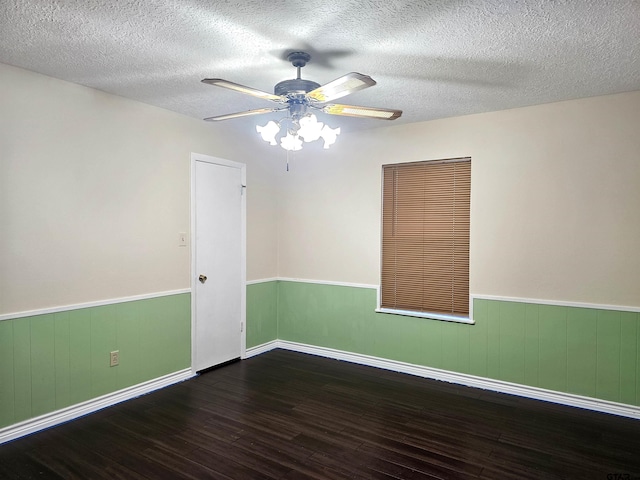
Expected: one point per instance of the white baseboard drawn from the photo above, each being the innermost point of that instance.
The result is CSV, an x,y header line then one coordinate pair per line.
x,y
264,348
535,393
66,414
74,411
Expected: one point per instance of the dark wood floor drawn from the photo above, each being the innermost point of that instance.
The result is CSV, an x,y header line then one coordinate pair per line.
x,y
294,416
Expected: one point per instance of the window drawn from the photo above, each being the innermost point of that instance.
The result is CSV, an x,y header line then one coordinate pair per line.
x,y
425,239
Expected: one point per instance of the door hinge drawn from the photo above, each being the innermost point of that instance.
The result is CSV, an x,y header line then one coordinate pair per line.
x,y
241,327
242,187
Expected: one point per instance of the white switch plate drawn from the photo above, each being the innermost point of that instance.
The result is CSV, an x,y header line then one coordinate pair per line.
x,y
114,358
182,239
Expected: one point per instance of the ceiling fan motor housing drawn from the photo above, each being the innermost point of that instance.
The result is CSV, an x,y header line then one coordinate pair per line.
x,y
295,86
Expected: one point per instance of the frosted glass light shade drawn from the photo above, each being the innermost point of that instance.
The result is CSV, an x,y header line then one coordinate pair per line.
x,y
307,128
310,128
269,132
291,142
329,135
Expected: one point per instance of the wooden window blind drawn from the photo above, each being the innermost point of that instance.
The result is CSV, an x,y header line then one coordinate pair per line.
x,y
425,236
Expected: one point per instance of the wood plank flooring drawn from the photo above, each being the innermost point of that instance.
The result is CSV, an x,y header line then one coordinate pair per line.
x,y
285,415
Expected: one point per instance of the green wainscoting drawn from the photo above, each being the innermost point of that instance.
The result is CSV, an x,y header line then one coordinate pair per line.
x,y
262,313
589,352
52,361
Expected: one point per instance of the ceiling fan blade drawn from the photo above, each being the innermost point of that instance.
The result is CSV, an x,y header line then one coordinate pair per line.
x,y
247,113
364,112
218,82
349,83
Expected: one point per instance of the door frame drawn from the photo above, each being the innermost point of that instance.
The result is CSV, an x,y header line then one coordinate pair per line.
x,y
198,157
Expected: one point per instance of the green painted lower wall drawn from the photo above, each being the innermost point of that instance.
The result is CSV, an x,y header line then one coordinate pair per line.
x,y
52,361
48,362
589,352
262,313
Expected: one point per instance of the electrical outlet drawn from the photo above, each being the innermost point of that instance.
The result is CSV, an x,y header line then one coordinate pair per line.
x,y
114,358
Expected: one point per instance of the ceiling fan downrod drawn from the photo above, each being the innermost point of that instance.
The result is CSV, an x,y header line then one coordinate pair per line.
x,y
296,86
298,60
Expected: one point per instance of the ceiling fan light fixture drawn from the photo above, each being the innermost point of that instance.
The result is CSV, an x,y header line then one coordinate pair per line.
x,y
310,128
306,128
329,135
291,142
269,132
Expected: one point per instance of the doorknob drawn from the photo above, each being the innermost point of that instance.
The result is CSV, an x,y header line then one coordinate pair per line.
x,y
202,278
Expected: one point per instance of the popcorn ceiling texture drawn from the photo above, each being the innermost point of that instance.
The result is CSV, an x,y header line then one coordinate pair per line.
x,y
432,59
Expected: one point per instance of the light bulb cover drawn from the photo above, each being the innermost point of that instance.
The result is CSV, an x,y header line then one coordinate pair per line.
x,y
307,128
310,128
269,132
329,135
291,142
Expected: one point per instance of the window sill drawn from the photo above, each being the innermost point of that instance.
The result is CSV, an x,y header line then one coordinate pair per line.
x,y
432,316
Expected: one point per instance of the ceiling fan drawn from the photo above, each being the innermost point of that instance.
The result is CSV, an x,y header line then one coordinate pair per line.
x,y
300,98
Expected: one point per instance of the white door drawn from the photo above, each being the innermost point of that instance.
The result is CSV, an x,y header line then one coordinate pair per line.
x,y
218,266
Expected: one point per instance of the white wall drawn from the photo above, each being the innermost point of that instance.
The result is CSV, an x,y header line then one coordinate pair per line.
x,y
94,190
555,200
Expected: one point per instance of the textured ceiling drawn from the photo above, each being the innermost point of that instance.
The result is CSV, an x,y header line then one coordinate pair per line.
x,y
432,59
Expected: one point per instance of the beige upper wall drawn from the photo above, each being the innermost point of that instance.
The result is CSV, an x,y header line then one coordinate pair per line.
x,y
555,200
94,190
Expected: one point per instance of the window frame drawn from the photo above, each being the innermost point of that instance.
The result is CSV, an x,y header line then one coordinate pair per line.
x,y
432,315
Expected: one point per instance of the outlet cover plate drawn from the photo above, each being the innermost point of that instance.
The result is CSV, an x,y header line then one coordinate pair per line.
x,y
114,358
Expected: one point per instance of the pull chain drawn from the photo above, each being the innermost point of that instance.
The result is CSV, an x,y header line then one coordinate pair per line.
x,y
290,154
